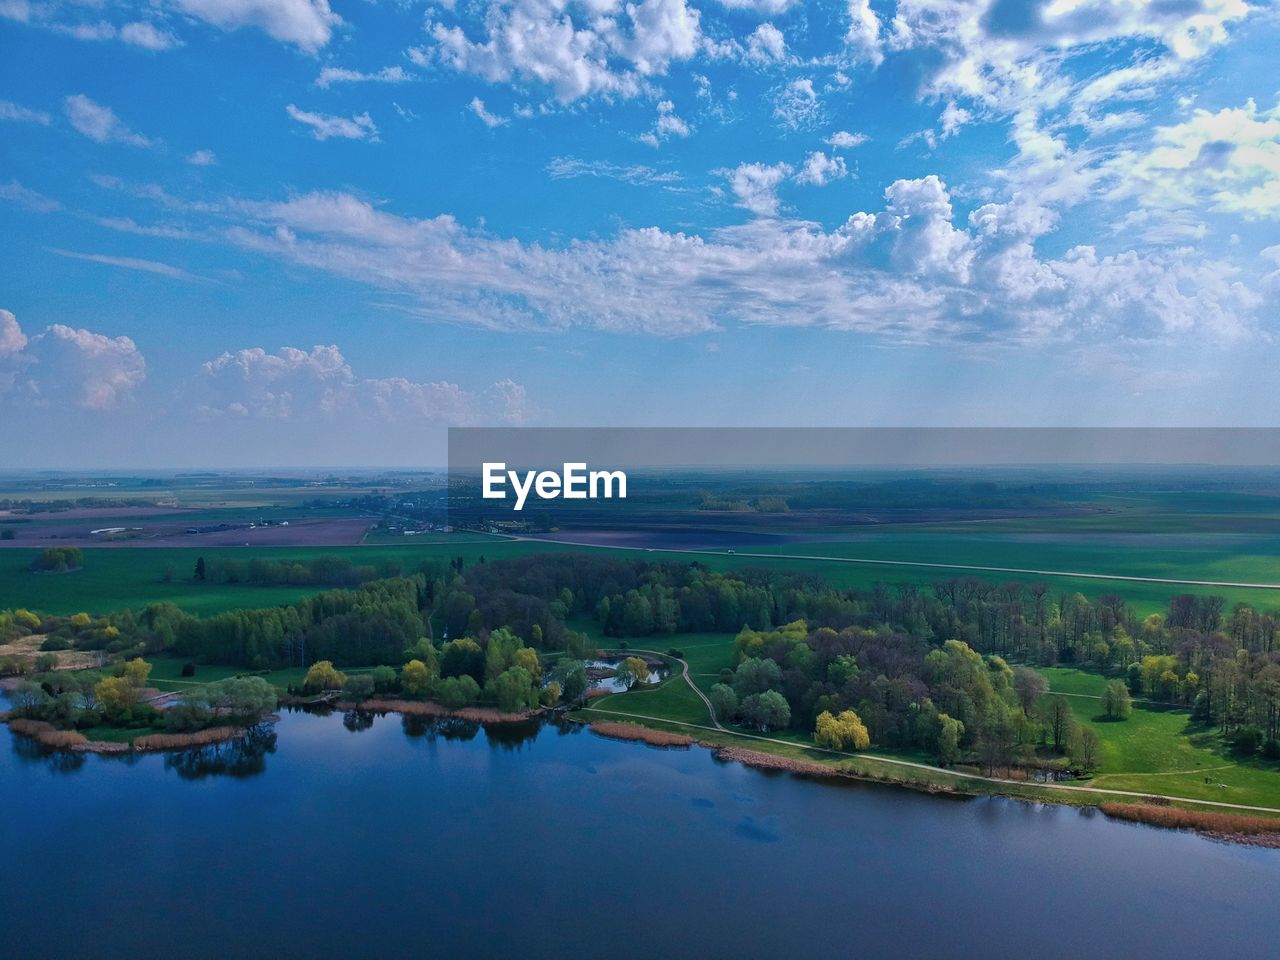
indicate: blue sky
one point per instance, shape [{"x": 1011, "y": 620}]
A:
[{"x": 270, "y": 232}]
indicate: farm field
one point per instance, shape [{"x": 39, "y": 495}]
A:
[
  {"x": 1186, "y": 556},
  {"x": 115, "y": 578},
  {"x": 825, "y": 560},
  {"x": 120, "y": 578}
]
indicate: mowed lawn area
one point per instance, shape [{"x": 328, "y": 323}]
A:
[
  {"x": 1158, "y": 749},
  {"x": 1155, "y": 750},
  {"x": 166, "y": 674}
]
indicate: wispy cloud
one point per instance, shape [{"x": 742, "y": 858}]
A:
[
  {"x": 565, "y": 168},
  {"x": 14, "y": 192},
  {"x": 131, "y": 263},
  {"x": 336, "y": 75},
  {"x": 490, "y": 120},
  {"x": 325, "y": 126},
  {"x": 100, "y": 123},
  {"x": 20, "y": 114}
]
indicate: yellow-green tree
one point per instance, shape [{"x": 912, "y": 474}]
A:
[
  {"x": 323, "y": 675},
  {"x": 118, "y": 698},
  {"x": 631, "y": 671},
  {"x": 843, "y": 732},
  {"x": 136, "y": 672},
  {"x": 1116, "y": 702},
  {"x": 415, "y": 678},
  {"x": 950, "y": 730},
  {"x": 26, "y": 619},
  {"x": 527, "y": 657},
  {"x": 1158, "y": 674}
]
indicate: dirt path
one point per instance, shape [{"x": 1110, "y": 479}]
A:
[
  {"x": 684, "y": 670},
  {"x": 950, "y": 773},
  {"x": 918, "y": 563}
]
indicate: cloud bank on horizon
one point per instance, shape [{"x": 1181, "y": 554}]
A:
[{"x": 512, "y": 211}]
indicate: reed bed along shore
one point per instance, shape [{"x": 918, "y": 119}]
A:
[
  {"x": 1238, "y": 828},
  {"x": 631, "y": 731},
  {"x": 771, "y": 761},
  {"x": 429, "y": 708},
  {"x": 50, "y": 736},
  {"x": 179, "y": 741}
]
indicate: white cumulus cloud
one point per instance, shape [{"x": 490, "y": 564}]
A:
[
  {"x": 65, "y": 366},
  {"x": 307, "y": 24},
  {"x": 819, "y": 169},
  {"x": 297, "y": 383}
]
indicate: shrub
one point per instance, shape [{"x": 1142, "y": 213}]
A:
[
  {"x": 1271, "y": 749},
  {"x": 457, "y": 692},
  {"x": 724, "y": 701},
  {"x": 1245, "y": 740},
  {"x": 57, "y": 559},
  {"x": 192, "y": 713},
  {"x": 359, "y": 686},
  {"x": 55, "y": 643},
  {"x": 188, "y": 669},
  {"x": 323, "y": 676}
]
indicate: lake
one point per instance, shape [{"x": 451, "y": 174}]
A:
[{"x": 337, "y": 837}]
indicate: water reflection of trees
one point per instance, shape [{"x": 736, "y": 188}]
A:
[
  {"x": 512, "y": 736},
  {"x": 58, "y": 761},
  {"x": 439, "y": 728},
  {"x": 506, "y": 736},
  {"x": 243, "y": 757},
  {"x": 358, "y": 720}
]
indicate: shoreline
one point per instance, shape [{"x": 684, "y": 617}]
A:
[
  {"x": 73, "y": 741},
  {"x": 430, "y": 708},
  {"x": 1157, "y": 812},
  {"x": 1150, "y": 810}
]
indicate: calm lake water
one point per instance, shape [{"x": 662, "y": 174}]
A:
[{"x": 338, "y": 838}]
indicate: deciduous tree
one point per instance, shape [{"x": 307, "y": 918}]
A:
[
  {"x": 323, "y": 675},
  {"x": 843, "y": 731}
]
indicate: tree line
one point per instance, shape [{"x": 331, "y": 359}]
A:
[{"x": 912, "y": 673}]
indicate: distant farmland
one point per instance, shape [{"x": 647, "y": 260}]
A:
[{"x": 115, "y": 578}]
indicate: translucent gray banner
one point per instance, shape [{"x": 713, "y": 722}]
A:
[{"x": 650, "y": 448}]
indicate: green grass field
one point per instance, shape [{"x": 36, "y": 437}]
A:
[
  {"x": 670, "y": 700},
  {"x": 120, "y": 577},
  {"x": 117, "y": 578},
  {"x": 132, "y": 577},
  {"x": 166, "y": 674},
  {"x": 1158, "y": 749},
  {"x": 1155, "y": 750}
]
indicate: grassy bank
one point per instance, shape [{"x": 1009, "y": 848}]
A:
[{"x": 1157, "y": 751}]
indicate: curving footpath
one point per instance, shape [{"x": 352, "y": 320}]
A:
[
  {"x": 684, "y": 669},
  {"x": 1141, "y": 794},
  {"x": 720, "y": 728}
]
